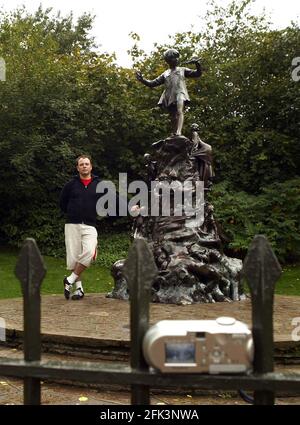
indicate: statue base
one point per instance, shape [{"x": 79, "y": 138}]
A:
[{"x": 188, "y": 253}]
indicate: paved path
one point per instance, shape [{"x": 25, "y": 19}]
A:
[{"x": 99, "y": 318}]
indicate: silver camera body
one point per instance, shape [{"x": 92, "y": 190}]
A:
[{"x": 224, "y": 345}]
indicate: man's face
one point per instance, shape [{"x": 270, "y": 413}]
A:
[{"x": 84, "y": 168}]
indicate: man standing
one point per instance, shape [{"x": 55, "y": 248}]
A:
[{"x": 78, "y": 201}]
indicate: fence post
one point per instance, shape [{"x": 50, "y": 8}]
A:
[
  {"x": 262, "y": 270},
  {"x": 30, "y": 270},
  {"x": 140, "y": 270}
]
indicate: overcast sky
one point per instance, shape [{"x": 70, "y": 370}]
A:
[{"x": 153, "y": 20}]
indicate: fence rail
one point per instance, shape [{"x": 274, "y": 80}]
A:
[
  {"x": 261, "y": 269},
  {"x": 90, "y": 373}
]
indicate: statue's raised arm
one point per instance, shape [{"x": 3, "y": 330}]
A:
[{"x": 193, "y": 73}]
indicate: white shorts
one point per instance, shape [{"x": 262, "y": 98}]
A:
[{"x": 81, "y": 244}]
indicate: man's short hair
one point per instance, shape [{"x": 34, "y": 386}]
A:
[{"x": 83, "y": 156}]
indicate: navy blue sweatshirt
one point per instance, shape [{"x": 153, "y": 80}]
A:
[{"x": 78, "y": 202}]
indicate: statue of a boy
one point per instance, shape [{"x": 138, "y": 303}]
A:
[{"x": 175, "y": 95}]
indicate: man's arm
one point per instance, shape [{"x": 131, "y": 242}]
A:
[
  {"x": 64, "y": 197},
  {"x": 150, "y": 83}
]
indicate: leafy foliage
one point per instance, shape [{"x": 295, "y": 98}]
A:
[
  {"x": 274, "y": 213},
  {"x": 112, "y": 247}
]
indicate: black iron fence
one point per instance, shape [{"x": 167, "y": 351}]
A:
[{"x": 261, "y": 269}]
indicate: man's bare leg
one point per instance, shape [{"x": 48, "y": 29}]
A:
[{"x": 79, "y": 268}]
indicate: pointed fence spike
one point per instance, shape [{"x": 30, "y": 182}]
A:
[
  {"x": 261, "y": 267},
  {"x": 30, "y": 268},
  {"x": 262, "y": 270},
  {"x": 140, "y": 265},
  {"x": 140, "y": 270}
]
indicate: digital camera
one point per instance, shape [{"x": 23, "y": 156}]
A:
[{"x": 224, "y": 345}]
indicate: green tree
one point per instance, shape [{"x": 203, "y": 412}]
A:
[{"x": 45, "y": 117}]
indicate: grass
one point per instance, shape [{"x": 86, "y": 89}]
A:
[
  {"x": 289, "y": 283},
  {"x": 97, "y": 278}
]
